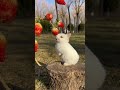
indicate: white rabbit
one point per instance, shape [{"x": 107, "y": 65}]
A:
[
  {"x": 95, "y": 73},
  {"x": 65, "y": 50}
]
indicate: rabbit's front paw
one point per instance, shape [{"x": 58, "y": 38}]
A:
[
  {"x": 66, "y": 64},
  {"x": 59, "y": 54}
]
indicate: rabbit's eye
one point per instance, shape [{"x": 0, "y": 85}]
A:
[{"x": 61, "y": 36}]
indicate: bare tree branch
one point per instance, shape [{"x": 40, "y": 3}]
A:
[{"x": 77, "y": 7}]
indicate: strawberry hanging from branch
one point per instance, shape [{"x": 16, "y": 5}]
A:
[
  {"x": 38, "y": 29},
  {"x": 49, "y": 17},
  {"x": 61, "y": 2},
  {"x": 60, "y": 24},
  {"x": 8, "y": 10},
  {"x": 55, "y": 31}
]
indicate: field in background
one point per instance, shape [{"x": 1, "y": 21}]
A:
[
  {"x": 18, "y": 68},
  {"x": 47, "y": 54},
  {"x": 19, "y": 49},
  {"x": 103, "y": 37}
]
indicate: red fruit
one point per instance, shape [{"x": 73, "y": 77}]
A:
[
  {"x": 36, "y": 46},
  {"x": 8, "y": 10},
  {"x": 49, "y": 17},
  {"x": 60, "y": 24},
  {"x": 2, "y": 47},
  {"x": 38, "y": 29},
  {"x": 55, "y": 31},
  {"x": 62, "y": 2}
]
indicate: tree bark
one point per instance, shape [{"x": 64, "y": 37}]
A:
[
  {"x": 66, "y": 25},
  {"x": 69, "y": 17},
  {"x": 74, "y": 25},
  {"x": 56, "y": 10},
  {"x": 66, "y": 77},
  {"x": 77, "y": 22}
]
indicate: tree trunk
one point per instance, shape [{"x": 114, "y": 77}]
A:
[
  {"x": 69, "y": 18},
  {"x": 77, "y": 22},
  {"x": 66, "y": 25},
  {"x": 66, "y": 77},
  {"x": 56, "y": 10},
  {"x": 74, "y": 25},
  {"x": 101, "y": 7}
]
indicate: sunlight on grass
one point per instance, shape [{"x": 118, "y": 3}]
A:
[{"x": 47, "y": 54}]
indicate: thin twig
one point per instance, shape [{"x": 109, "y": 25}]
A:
[
  {"x": 56, "y": 10},
  {"x": 37, "y": 62}
]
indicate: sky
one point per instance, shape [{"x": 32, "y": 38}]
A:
[
  {"x": 50, "y": 1},
  {"x": 50, "y": 4}
]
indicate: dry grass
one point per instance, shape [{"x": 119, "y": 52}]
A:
[
  {"x": 103, "y": 36},
  {"x": 47, "y": 54},
  {"x": 18, "y": 68}
]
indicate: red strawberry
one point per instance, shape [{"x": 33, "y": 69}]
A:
[
  {"x": 8, "y": 10},
  {"x": 49, "y": 17},
  {"x": 60, "y": 24},
  {"x": 38, "y": 29},
  {"x": 55, "y": 31},
  {"x": 36, "y": 46},
  {"x": 62, "y": 2},
  {"x": 2, "y": 47}
]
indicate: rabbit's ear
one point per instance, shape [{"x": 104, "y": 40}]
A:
[{"x": 69, "y": 35}]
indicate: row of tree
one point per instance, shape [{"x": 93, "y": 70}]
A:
[
  {"x": 26, "y": 8},
  {"x": 102, "y": 7},
  {"x": 73, "y": 13},
  {"x": 47, "y": 26}
]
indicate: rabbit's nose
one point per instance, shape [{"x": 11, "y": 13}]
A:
[{"x": 56, "y": 39}]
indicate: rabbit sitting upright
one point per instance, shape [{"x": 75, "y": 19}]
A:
[{"x": 65, "y": 50}]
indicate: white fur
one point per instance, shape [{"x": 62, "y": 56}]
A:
[
  {"x": 95, "y": 73},
  {"x": 65, "y": 50}
]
